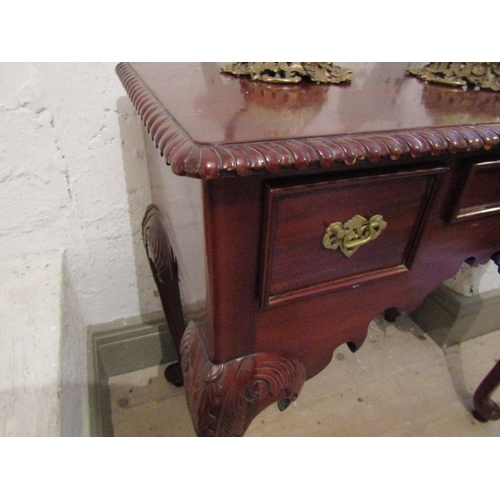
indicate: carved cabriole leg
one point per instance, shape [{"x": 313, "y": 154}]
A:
[
  {"x": 224, "y": 399},
  {"x": 496, "y": 259},
  {"x": 391, "y": 314},
  {"x": 165, "y": 272},
  {"x": 484, "y": 408}
]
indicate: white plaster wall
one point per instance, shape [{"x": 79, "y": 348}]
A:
[
  {"x": 73, "y": 379},
  {"x": 30, "y": 345},
  {"x": 65, "y": 189},
  {"x": 471, "y": 281},
  {"x": 43, "y": 361},
  {"x": 63, "y": 183}
]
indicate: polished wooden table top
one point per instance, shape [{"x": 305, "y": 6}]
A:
[
  {"x": 383, "y": 113},
  {"x": 381, "y": 97}
]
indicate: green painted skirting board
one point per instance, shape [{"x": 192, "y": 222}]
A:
[
  {"x": 450, "y": 318},
  {"x": 121, "y": 347}
]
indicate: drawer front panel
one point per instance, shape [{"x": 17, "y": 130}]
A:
[
  {"x": 481, "y": 193},
  {"x": 297, "y": 263}
]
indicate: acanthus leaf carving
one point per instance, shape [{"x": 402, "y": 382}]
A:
[{"x": 223, "y": 399}]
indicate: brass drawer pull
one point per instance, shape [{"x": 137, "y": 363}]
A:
[{"x": 348, "y": 237}]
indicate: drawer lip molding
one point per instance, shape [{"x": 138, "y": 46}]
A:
[
  {"x": 295, "y": 266},
  {"x": 480, "y": 196},
  {"x": 208, "y": 161}
]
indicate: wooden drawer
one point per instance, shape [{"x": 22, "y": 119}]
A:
[
  {"x": 480, "y": 195},
  {"x": 296, "y": 264}
]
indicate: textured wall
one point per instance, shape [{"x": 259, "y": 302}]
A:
[
  {"x": 471, "y": 281},
  {"x": 64, "y": 183},
  {"x": 30, "y": 345}
]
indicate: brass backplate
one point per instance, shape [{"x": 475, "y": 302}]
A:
[{"x": 350, "y": 235}]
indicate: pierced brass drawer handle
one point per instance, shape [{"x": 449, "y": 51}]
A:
[{"x": 358, "y": 231}]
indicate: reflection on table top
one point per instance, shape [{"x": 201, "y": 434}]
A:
[{"x": 213, "y": 107}]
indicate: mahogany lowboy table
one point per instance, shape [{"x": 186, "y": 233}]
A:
[{"x": 320, "y": 207}]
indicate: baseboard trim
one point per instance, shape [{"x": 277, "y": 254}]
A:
[
  {"x": 450, "y": 318},
  {"x": 120, "y": 347}
]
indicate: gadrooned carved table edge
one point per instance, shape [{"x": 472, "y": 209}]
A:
[{"x": 189, "y": 158}]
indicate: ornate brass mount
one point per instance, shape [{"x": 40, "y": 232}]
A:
[
  {"x": 290, "y": 72},
  {"x": 479, "y": 74},
  {"x": 358, "y": 231}
]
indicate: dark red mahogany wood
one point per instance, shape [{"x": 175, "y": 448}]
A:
[
  {"x": 485, "y": 408},
  {"x": 190, "y": 111},
  {"x": 279, "y": 164},
  {"x": 223, "y": 399},
  {"x": 299, "y": 215},
  {"x": 165, "y": 272}
]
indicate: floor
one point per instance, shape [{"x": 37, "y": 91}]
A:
[{"x": 400, "y": 383}]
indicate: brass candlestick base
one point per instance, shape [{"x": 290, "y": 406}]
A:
[
  {"x": 478, "y": 74},
  {"x": 290, "y": 72}
]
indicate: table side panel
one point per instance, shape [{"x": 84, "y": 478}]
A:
[{"x": 232, "y": 211}]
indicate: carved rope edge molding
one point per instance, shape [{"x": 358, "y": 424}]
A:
[{"x": 208, "y": 161}]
